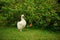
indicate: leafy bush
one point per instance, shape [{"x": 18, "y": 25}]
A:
[{"x": 41, "y": 13}]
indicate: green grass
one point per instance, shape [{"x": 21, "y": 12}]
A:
[{"x": 10, "y": 33}]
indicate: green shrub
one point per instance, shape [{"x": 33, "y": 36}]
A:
[{"x": 41, "y": 13}]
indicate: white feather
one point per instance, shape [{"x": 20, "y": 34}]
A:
[{"x": 21, "y": 24}]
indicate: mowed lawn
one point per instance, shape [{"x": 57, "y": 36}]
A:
[{"x": 11, "y": 33}]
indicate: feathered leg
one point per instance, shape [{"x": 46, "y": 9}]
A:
[{"x": 21, "y": 30}]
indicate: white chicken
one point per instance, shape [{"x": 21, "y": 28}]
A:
[{"x": 21, "y": 24}]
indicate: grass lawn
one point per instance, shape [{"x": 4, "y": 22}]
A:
[{"x": 10, "y": 33}]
